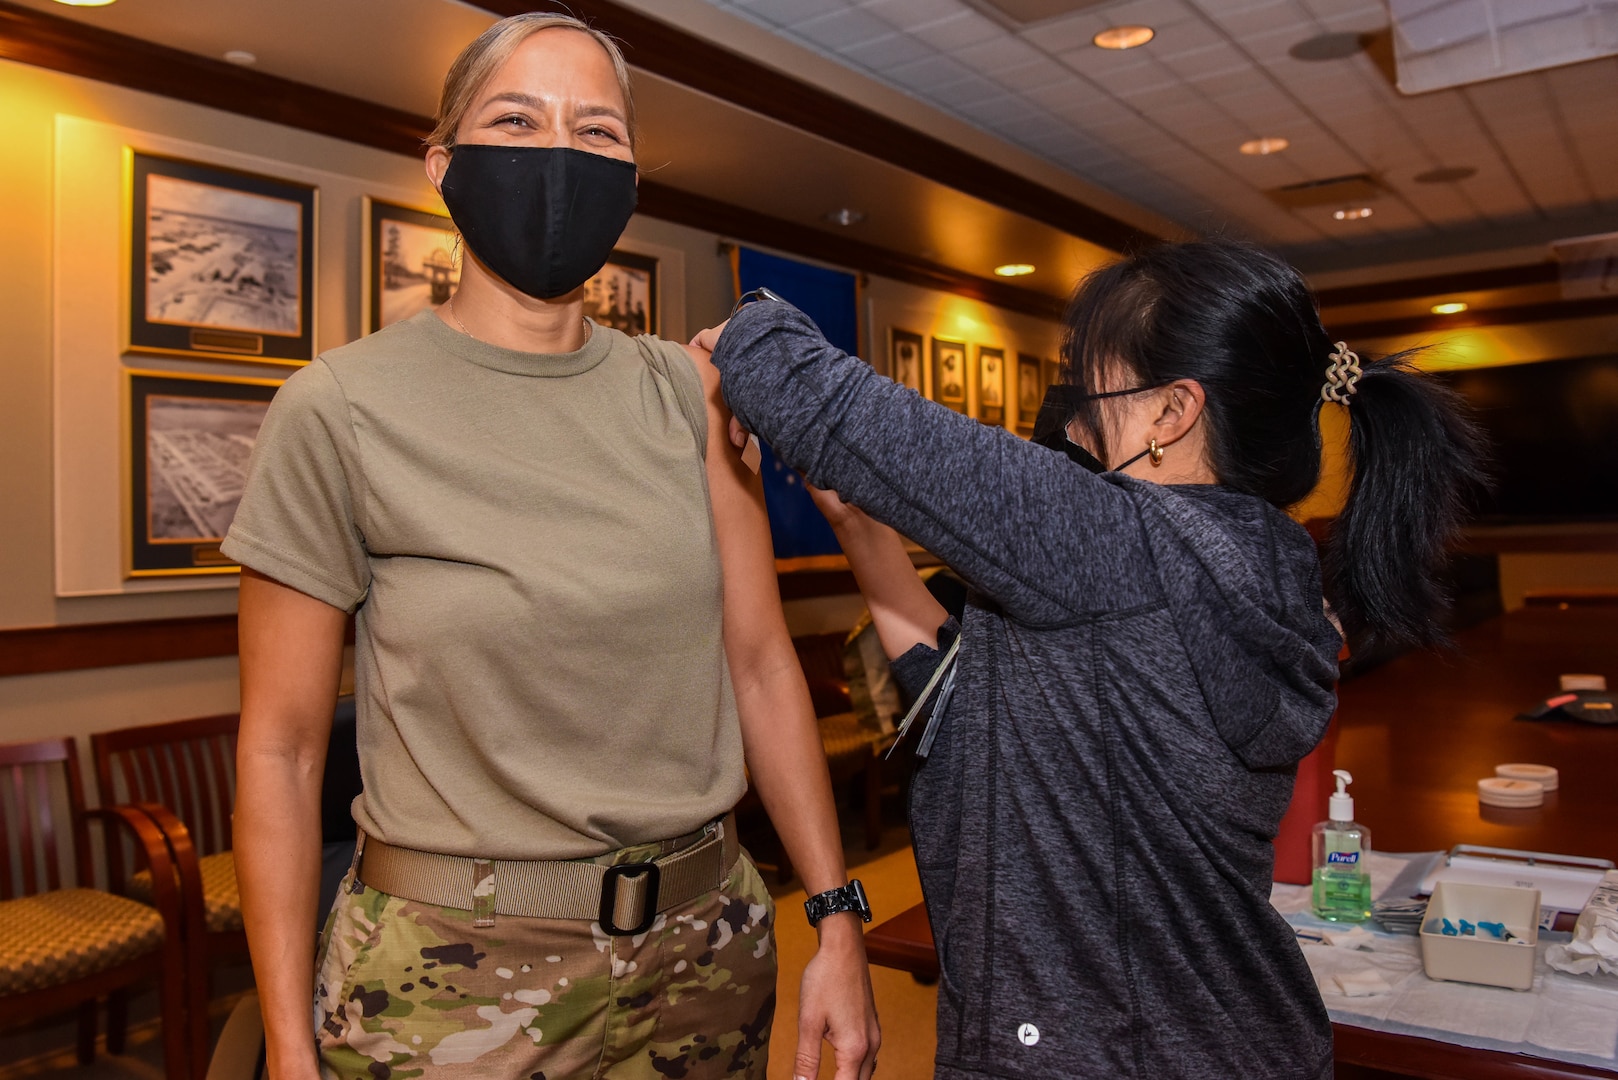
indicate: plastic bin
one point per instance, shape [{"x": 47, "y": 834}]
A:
[{"x": 1481, "y": 958}]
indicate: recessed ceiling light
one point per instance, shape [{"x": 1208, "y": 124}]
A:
[
  {"x": 1124, "y": 37},
  {"x": 1014, "y": 269},
  {"x": 1352, "y": 213},
  {"x": 85, "y": 3},
  {"x": 845, "y": 216},
  {"x": 1447, "y": 174},
  {"x": 241, "y": 56},
  {"x": 1453, "y": 307},
  {"x": 1270, "y": 144}
]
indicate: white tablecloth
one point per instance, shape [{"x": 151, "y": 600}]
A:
[{"x": 1572, "y": 1018}]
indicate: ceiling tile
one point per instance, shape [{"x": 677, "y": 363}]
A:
[
  {"x": 880, "y": 54},
  {"x": 843, "y": 30},
  {"x": 958, "y": 31},
  {"x": 788, "y": 12}
]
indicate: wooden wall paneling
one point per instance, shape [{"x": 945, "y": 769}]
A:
[
  {"x": 1509, "y": 315},
  {"x": 1499, "y": 277}
]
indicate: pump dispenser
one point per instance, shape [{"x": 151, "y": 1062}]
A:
[{"x": 1342, "y": 887}]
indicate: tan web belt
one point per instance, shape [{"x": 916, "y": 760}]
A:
[{"x": 554, "y": 889}]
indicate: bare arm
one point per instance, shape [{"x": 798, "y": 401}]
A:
[
  {"x": 902, "y": 610},
  {"x": 291, "y": 660},
  {"x": 784, "y": 754}
]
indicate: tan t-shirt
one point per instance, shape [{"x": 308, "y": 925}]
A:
[{"x": 529, "y": 542}]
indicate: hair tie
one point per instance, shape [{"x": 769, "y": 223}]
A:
[{"x": 1341, "y": 375}]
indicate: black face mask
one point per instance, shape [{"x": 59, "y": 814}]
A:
[
  {"x": 545, "y": 218},
  {"x": 1050, "y": 426}
]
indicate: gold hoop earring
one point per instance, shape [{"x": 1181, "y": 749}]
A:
[{"x": 1156, "y": 453}]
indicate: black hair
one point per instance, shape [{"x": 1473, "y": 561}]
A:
[{"x": 1244, "y": 325}]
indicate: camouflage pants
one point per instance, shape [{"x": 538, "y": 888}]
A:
[{"x": 406, "y": 989}]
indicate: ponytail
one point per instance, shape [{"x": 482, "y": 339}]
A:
[{"x": 1415, "y": 457}]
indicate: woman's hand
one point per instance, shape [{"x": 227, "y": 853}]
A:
[
  {"x": 840, "y": 514},
  {"x": 708, "y": 340},
  {"x": 835, "y": 1004}
]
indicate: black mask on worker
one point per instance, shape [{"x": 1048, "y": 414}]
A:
[
  {"x": 1050, "y": 426},
  {"x": 545, "y": 218}
]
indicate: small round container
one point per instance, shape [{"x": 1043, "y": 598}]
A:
[
  {"x": 1545, "y": 776},
  {"x": 1511, "y": 794}
]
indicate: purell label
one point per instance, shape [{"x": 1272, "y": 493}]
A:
[{"x": 1341, "y": 857}]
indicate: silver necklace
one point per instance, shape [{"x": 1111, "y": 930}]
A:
[{"x": 450, "y": 307}]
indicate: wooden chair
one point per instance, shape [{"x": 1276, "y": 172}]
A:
[
  {"x": 853, "y": 751},
  {"x": 187, "y": 768},
  {"x": 64, "y": 946}
]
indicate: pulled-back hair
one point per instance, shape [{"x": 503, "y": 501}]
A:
[
  {"x": 482, "y": 58},
  {"x": 1244, "y": 325}
]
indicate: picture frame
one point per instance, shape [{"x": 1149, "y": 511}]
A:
[
  {"x": 221, "y": 262},
  {"x": 949, "y": 373},
  {"x": 989, "y": 381},
  {"x": 623, "y": 294},
  {"x": 188, "y": 441},
  {"x": 1030, "y": 392},
  {"x": 907, "y": 359},
  {"x": 410, "y": 260}
]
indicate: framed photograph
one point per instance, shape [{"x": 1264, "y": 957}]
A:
[
  {"x": 221, "y": 263},
  {"x": 949, "y": 373},
  {"x": 990, "y": 376},
  {"x": 905, "y": 358},
  {"x": 189, "y": 440},
  {"x": 624, "y": 294},
  {"x": 1053, "y": 374},
  {"x": 1030, "y": 392},
  {"x": 410, "y": 261}
]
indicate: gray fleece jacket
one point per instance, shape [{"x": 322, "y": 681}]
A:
[{"x": 1141, "y": 669}]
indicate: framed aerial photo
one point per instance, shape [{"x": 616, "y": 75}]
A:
[
  {"x": 221, "y": 263},
  {"x": 905, "y": 358},
  {"x": 623, "y": 295},
  {"x": 410, "y": 261},
  {"x": 949, "y": 373},
  {"x": 989, "y": 374},
  {"x": 1030, "y": 392},
  {"x": 190, "y": 437}
]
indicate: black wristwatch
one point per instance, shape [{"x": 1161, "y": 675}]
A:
[{"x": 850, "y": 897}]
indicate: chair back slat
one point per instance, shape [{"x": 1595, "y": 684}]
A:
[
  {"x": 187, "y": 765},
  {"x": 224, "y": 765},
  {"x": 30, "y": 846}
]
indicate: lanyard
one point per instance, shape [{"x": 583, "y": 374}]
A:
[{"x": 943, "y": 680}]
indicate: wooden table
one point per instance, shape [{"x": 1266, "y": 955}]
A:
[{"x": 1418, "y": 733}]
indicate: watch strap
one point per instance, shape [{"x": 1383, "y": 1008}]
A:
[{"x": 850, "y": 897}]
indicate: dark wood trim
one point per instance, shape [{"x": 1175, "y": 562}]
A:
[
  {"x": 71, "y": 47},
  {"x": 681, "y": 57},
  {"x": 60, "y": 44},
  {"x": 1540, "y": 539},
  {"x": 1500, "y": 277},
  {"x": 1498, "y": 316},
  {"x": 39, "y": 649}
]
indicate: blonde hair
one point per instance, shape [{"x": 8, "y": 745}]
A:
[{"x": 480, "y": 60}]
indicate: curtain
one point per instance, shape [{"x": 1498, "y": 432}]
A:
[{"x": 831, "y": 299}]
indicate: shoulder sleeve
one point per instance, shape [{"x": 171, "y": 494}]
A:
[
  {"x": 674, "y": 363},
  {"x": 1045, "y": 539},
  {"x": 297, "y": 521}
]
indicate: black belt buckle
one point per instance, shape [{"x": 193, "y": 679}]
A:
[{"x": 609, "y": 897}]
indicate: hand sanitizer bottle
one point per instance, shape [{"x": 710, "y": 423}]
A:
[{"x": 1342, "y": 887}]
